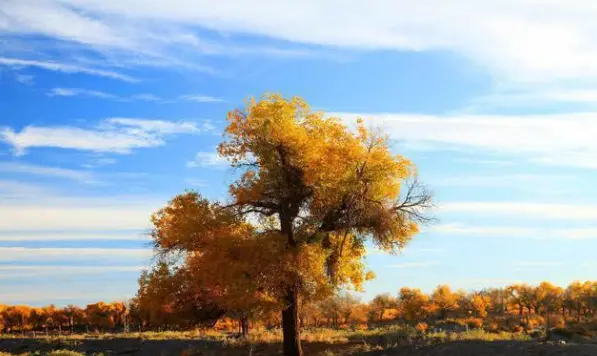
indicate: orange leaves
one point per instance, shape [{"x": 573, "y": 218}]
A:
[
  {"x": 191, "y": 223},
  {"x": 323, "y": 190}
]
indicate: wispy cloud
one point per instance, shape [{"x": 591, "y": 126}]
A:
[
  {"x": 80, "y": 92},
  {"x": 534, "y": 97},
  {"x": 118, "y": 135},
  {"x": 19, "y": 271},
  {"x": 146, "y": 97},
  {"x": 72, "y": 235},
  {"x": 519, "y": 180},
  {"x": 64, "y": 213},
  {"x": 76, "y": 175},
  {"x": 523, "y": 209},
  {"x": 22, "y": 254},
  {"x": 481, "y": 161},
  {"x": 503, "y": 36},
  {"x": 201, "y": 98},
  {"x": 414, "y": 264},
  {"x": 64, "y": 67},
  {"x": 554, "y": 139},
  {"x": 26, "y": 79},
  {"x": 536, "y": 232},
  {"x": 207, "y": 159}
]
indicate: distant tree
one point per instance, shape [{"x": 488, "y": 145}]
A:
[
  {"x": 348, "y": 306},
  {"x": 169, "y": 296},
  {"x": 17, "y": 317},
  {"x": 414, "y": 304},
  {"x": 444, "y": 300},
  {"x": 498, "y": 300},
  {"x": 74, "y": 316},
  {"x": 380, "y": 304}
]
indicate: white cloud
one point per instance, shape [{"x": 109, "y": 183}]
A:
[
  {"x": 21, "y": 254},
  {"x": 80, "y": 176},
  {"x": 19, "y": 271},
  {"x": 201, "y": 98},
  {"x": 118, "y": 135},
  {"x": 159, "y": 127},
  {"x": 207, "y": 159},
  {"x": 80, "y": 92},
  {"x": 72, "y": 236},
  {"x": 461, "y": 229},
  {"x": 480, "y": 161},
  {"x": 26, "y": 79},
  {"x": 146, "y": 97},
  {"x": 523, "y": 209},
  {"x": 64, "y": 67},
  {"x": 47, "y": 213},
  {"x": 537, "y": 232},
  {"x": 522, "y": 181},
  {"x": 505, "y": 36},
  {"x": 547, "y": 139},
  {"x": 532, "y": 96},
  {"x": 17, "y": 189},
  {"x": 414, "y": 264}
]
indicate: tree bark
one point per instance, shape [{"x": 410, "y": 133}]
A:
[
  {"x": 290, "y": 325},
  {"x": 244, "y": 322}
]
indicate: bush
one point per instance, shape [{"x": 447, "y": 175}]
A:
[
  {"x": 65, "y": 353},
  {"x": 475, "y": 323},
  {"x": 422, "y": 327}
]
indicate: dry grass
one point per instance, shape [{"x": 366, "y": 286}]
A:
[{"x": 343, "y": 342}]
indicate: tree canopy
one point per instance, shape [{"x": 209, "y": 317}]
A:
[{"x": 311, "y": 191}]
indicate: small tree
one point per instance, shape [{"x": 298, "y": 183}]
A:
[
  {"x": 444, "y": 300},
  {"x": 380, "y": 304},
  {"x": 414, "y": 304}
]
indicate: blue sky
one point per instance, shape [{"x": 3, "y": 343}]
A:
[{"x": 109, "y": 108}]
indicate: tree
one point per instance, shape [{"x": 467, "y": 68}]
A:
[
  {"x": 380, "y": 304},
  {"x": 479, "y": 305},
  {"x": 74, "y": 316},
  {"x": 320, "y": 191},
  {"x": 444, "y": 300},
  {"x": 414, "y": 304},
  {"x": 549, "y": 300},
  {"x": 497, "y": 300},
  {"x": 168, "y": 296},
  {"x": 17, "y": 317},
  {"x": 348, "y": 306}
]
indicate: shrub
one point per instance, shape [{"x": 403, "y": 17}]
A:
[
  {"x": 475, "y": 323},
  {"x": 422, "y": 327}
]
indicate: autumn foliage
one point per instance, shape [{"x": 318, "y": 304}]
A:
[
  {"x": 310, "y": 193},
  {"x": 515, "y": 308}
]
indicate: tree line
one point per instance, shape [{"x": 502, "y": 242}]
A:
[
  {"x": 516, "y": 308},
  {"x": 97, "y": 316}
]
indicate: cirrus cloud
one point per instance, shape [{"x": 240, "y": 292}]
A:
[{"x": 117, "y": 135}]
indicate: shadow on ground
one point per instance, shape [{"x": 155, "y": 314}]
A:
[
  {"x": 209, "y": 348},
  {"x": 491, "y": 348}
]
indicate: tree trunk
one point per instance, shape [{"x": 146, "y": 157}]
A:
[
  {"x": 244, "y": 324},
  {"x": 290, "y": 325}
]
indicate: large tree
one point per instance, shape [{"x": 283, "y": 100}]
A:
[{"x": 319, "y": 191}]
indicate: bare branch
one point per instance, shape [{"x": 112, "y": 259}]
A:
[{"x": 416, "y": 202}]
